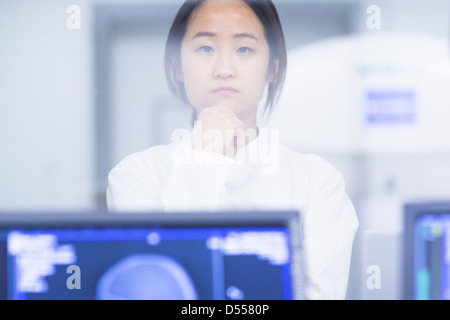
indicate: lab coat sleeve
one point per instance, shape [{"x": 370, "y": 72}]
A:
[
  {"x": 134, "y": 185},
  {"x": 329, "y": 226}
]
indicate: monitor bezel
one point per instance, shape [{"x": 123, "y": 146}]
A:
[{"x": 53, "y": 219}]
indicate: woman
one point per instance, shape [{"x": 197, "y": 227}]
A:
[{"x": 223, "y": 57}]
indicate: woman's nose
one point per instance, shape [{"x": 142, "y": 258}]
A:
[{"x": 224, "y": 66}]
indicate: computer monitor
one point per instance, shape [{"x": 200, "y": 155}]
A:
[
  {"x": 427, "y": 251},
  {"x": 160, "y": 256}
]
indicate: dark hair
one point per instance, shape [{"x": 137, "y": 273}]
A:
[{"x": 266, "y": 12}]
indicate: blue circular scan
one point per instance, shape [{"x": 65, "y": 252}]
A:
[{"x": 146, "y": 277}]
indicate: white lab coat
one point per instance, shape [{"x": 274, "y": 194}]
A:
[{"x": 264, "y": 175}]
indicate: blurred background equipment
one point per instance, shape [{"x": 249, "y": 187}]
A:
[
  {"x": 426, "y": 269},
  {"x": 376, "y": 106}
]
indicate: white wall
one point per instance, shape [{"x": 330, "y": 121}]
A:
[{"x": 45, "y": 107}]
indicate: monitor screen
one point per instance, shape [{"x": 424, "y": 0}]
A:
[
  {"x": 151, "y": 256},
  {"x": 427, "y": 251}
]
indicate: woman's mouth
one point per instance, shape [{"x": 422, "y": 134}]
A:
[{"x": 225, "y": 91}]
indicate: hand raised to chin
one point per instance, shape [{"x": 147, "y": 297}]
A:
[{"x": 219, "y": 130}]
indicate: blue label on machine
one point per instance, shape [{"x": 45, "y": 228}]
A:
[{"x": 390, "y": 107}]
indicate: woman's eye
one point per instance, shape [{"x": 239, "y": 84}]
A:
[
  {"x": 206, "y": 49},
  {"x": 244, "y": 50}
]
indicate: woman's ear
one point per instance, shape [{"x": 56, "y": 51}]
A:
[{"x": 273, "y": 71}]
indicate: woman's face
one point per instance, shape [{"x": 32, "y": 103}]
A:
[{"x": 225, "y": 58}]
